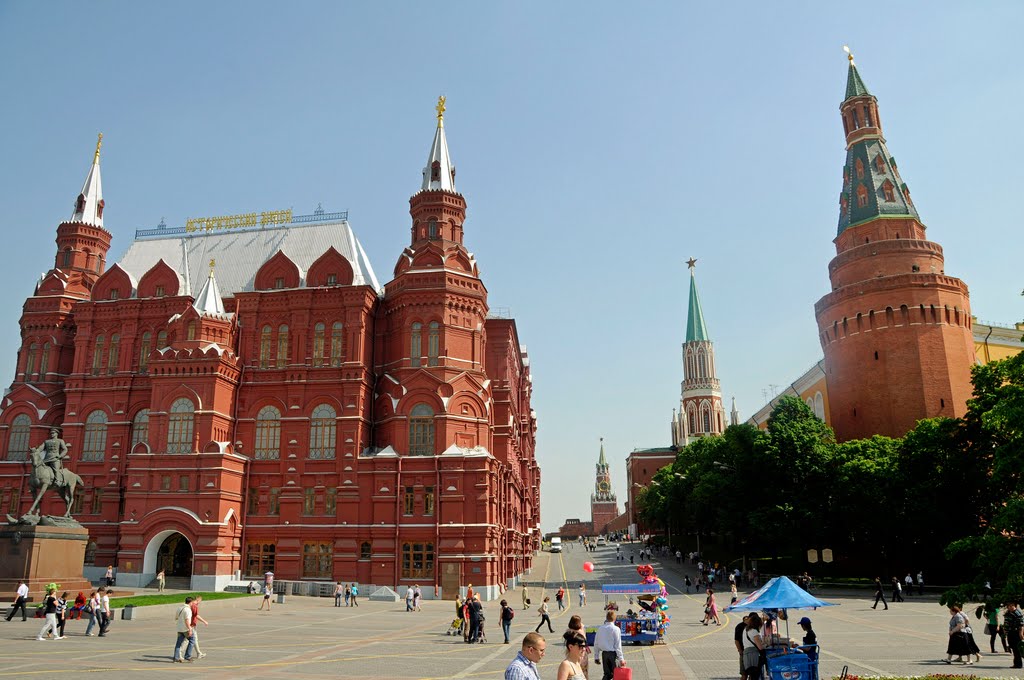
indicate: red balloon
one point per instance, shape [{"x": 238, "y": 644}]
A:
[{"x": 588, "y": 567}]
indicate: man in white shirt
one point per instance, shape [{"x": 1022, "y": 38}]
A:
[
  {"x": 185, "y": 633},
  {"x": 105, "y": 611},
  {"x": 20, "y": 601},
  {"x": 608, "y": 644}
]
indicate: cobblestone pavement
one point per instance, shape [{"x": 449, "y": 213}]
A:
[{"x": 309, "y": 637}]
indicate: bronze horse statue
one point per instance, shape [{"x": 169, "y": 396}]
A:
[{"x": 44, "y": 477}]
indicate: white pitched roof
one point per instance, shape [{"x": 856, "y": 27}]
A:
[
  {"x": 208, "y": 301},
  {"x": 240, "y": 253}
]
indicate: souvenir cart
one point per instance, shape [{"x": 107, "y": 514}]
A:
[{"x": 638, "y": 616}]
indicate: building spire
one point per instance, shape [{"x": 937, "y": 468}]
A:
[
  {"x": 602, "y": 462},
  {"x": 439, "y": 175},
  {"x": 696, "y": 330},
  {"x": 89, "y": 205},
  {"x": 209, "y": 301}
]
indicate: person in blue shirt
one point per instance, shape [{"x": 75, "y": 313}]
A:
[{"x": 524, "y": 666}]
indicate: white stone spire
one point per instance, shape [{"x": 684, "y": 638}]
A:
[
  {"x": 439, "y": 175},
  {"x": 89, "y": 205},
  {"x": 208, "y": 301},
  {"x": 734, "y": 416}
]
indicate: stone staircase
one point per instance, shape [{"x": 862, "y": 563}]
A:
[{"x": 173, "y": 583}]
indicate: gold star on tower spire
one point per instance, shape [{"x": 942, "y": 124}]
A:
[{"x": 440, "y": 111}]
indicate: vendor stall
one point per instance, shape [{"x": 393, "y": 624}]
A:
[
  {"x": 638, "y": 617},
  {"x": 784, "y": 661}
]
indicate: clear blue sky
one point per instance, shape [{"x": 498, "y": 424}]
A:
[{"x": 599, "y": 145}]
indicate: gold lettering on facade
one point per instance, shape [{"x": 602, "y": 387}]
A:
[{"x": 208, "y": 224}]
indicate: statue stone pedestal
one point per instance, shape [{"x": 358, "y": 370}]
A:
[{"x": 40, "y": 555}]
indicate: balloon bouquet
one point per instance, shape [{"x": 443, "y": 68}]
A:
[{"x": 655, "y": 604}]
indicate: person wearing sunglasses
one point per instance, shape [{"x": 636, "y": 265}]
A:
[{"x": 575, "y": 648}]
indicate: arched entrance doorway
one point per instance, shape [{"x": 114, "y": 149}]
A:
[{"x": 174, "y": 556}]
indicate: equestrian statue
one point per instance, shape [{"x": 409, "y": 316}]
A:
[{"x": 48, "y": 472}]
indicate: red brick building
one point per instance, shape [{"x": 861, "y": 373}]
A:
[
  {"x": 304, "y": 421},
  {"x": 895, "y": 329},
  {"x": 604, "y": 507}
]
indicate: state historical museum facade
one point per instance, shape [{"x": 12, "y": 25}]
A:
[{"x": 307, "y": 421}]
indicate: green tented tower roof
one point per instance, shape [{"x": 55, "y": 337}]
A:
[
  {"x": 696, "y": 330},
  {"x": 855, "y": 87}
]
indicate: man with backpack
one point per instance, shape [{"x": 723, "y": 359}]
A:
[{"x": 507, "y": 614}]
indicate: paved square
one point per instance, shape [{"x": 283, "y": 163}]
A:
[{"x": 309, "y": 637}]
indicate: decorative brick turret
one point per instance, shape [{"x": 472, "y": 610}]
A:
[{"x": 896, "y": 331}]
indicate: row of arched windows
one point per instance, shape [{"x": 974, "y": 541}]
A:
[
  {"x": 43, "y": 359},
  {"x": 699, "y": 363},
  {"x": 322, "y": 433},
  {"x": 703, "y": 419},
  {"x": 817, "y": 405},
  {"x": 105, "y": 359},
  {"x": 328, "y": 349},
  {"x": 416, "y": 344}
]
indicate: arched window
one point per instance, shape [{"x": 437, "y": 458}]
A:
[
  {"x": 265, "y": 347},
  {"x": 180, "y": 425},
  {"x": 30, "y": 362},
  {"x": 67, "y": 258},
  {"x": 318, "y": 344},
  {"x": 145, "y": 347},
  {"x": 161, "y": 340},
  {"x": 705, "y": 416},
  {"x": 140, "y": 428},
  {"x": 691, "y": 417},
  {"x": 282, "y": 346},
  {"x": 17, "y": 444},
  {"x": 415, "y": 345},
  {"x": 97, "y": 355},
  {"x": 95, "y": 444},
  {"x": 365, "y": 550},
  {"x": 433, "y": 343},
  {"x": 337, "y": 343},
  {"x": 421, "y": 431},
  {"x": 322, "y": 432},
  {"x": 44, "y": 361},
  {"x": 819, "y": 405},
  {"x": 268, "y": 434},
  {"x": 191, "y": 332},
  {"x": 115, "y": 349}
]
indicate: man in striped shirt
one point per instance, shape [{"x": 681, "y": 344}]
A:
[{"x": 524, "y": 666}]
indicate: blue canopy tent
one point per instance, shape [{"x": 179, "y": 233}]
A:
[{"x": 779, "y": 593}]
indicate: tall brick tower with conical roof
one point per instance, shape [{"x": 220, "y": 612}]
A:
[{"x": 896, "y": 330}]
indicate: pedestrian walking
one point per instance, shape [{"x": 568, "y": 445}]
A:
[
  {"x": 879, "y": 594},
  {"x": 524, "y": 666},
  {"x": 1013, "y": 623},
  {"x": 583, "y": 595},
  {"x": 92, "y": 608},
  {"x": 268, "y": 590},
  {"x": 348, "y": 595},
  {"x": 526, "y": 597},
  {"x": 417, "y": 595},
  {"x": 542, "y": 611},
  {"x": 50, "y": 611},
  {"x": 161, "y": 581},
  {"x": 897, "y": 590},
  {"x": 105, "y": 618},
  {"x": 196, "y": 620},
  {"x": 737, "y": 636},
  {"x": 993, "y": 629},
  {"x": 506, "y": 616},
  {"x": 109, "y": 576},
  {"x": 753, "y": 648},
  {"x": 339, "y": 592},
  {"x": 183, "y": 621},
  {"x": 20, "y": 598},
  {"x": 733, "y": 593},
  {"x": 958, "y": 642},
  {"x": 560, "y": 598},
  {"x": 608, "y": 646},
  {"x": 408, "y": 598},
  {"x": 711, "y": 609},
  {"x": 908, "y": 584},
  {"x": 688, "y": 582},
  {"x": 355, "y": 594},
  {"x": 62, "y": 612},
  {"x": 920, "y": 583}
]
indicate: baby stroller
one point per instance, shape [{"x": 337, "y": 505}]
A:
[{"x": 455, "y": 628}]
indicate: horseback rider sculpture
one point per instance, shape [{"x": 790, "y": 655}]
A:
[{"x": 55, "y": 451}]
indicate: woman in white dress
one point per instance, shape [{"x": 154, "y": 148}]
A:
[{"x": 575, "y": 647}]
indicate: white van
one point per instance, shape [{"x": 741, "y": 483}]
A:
[{"x": 556, "y": 544}]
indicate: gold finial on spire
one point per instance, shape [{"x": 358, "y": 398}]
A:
[
  {"x": 213, "y": 263},
  {"x": 99, "y": 143},
  {"x": 440, "y": 111},
  {"x": 849, "y": 54}
]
